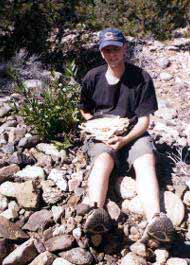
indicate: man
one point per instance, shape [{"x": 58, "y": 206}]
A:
[{"x": 120, "y": 88}]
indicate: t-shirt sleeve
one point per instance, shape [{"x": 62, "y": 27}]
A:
[
  {"x": 146, "y": 101},
  {"x": 85, "y": 101}
]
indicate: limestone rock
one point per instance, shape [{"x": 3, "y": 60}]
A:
[
  {"x": 16, "y": 134},
  {"x": 12, "y": 212},
  {"x": 126, "y": 187},
  {"x": 166, "y": 76},
  {"x": 174, "y": 207},
  {"x": 30, "y": 173},
  {"x": 50, "y": 149},
  {"x": 22, "y": 254},
  {"x": 61, "y": 242},
  {"x": 61, "y": 261},
  {"x": 74, "y": 184},
  {"x": 8, "y": 171},
  {"x": 45, "y": 258},
  {"x": 24, "y": 192},
  {"x": 5, "y": 110},
  {"x": 113, "y": 210},
  {"x": 186, "y": 198},
  {"x": 78, "y": 256},
  {"x": 51, "y": 194},
  {"x": 133, "y": 259},
  {"x": 161, "y": 255},
  {"x": 135, "y": 206},
  {"x": 176, "y": 261},
  {"x": 164, "y": 63},
  {"x": 3, "y": 203},
  {"x": 58, "y": 176},
  {"x": 10, "y": 230},
  {"x": 57, "y": 212},
  {"x": 39, "y": 220},
  {"x": 28, "y": 142},
  {"x": 139, "y": 249}
]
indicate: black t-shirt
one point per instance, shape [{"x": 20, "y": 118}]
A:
[{"x": 133, "y": 96}]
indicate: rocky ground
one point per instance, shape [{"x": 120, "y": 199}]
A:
[{"x": 41, "y": 187}]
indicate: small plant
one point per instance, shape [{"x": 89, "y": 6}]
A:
[
  {"x": 53, "y": 111},
  {"x": 181, "y": 160}
]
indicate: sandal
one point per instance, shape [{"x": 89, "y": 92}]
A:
[
  {"x": 160, "y": 228},
  {"x": 97, "y": 222}
]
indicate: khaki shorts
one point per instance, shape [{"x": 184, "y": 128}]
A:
[{"x": 125, "y": 157}]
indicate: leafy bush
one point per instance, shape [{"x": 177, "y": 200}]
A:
[
  {"x": 143, "y": 17},
  {"x": 32, "y": 24},
  {"x": 54, "y": 111}
]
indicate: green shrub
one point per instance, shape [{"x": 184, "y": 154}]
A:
[
  {"x": 143, "y": 17},
  {"x": 54, "y": 111}
]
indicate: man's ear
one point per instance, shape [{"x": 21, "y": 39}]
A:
[{"x": 102, "y": 54}]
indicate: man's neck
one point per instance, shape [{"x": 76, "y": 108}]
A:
[{"x": 116, "y": 72}]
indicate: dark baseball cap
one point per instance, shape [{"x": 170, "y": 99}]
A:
[{"x": 111, "y": 36}]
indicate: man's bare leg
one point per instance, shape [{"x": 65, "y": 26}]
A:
[
  {"x": 147, "y": 184},
  {"x": 99, "y": 179}
]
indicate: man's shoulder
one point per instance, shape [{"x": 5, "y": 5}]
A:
[
  {"x": 95, "y": 72},
  {"x": 137, "y": 72}
]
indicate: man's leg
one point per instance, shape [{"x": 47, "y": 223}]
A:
[
  {"x": 98, "y": 220},
  {"x": 147, "y": 184},
  {"x": 99, "y": 179},
  {"x": 159, "y": 226}
]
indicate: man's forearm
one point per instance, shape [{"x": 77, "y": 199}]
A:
[
  {"x": 86, "y": 115},
  {"x": 141, "y": 127}
]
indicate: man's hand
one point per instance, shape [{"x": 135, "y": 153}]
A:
[{"x": 116, "y": 142}]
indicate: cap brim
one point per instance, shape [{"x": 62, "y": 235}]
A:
[{"x": 112, "y": 43}]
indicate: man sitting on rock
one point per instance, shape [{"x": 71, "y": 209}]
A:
[{"x": 120, "y": 88}]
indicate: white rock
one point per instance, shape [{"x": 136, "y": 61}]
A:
[
  {"x": 23, "y": 192},
  {"x": 9, "y": 214},
  {"x": 186, "y": 198},
  {"x": 174, "y": 207},
  {"x": 19, "y": 256},
  {"x": 77, "y": 233},
  {"x": 51, "y": 149},
  {"x": 133, "y": 259},
  {"x": 139, "y": 249},
  {"x": 125, "y": 206},
  {"x": 45, "y": 258},
  {"x": 113, "y": 210},
  {"x": 31, "y": 173},
  {"x": 135, "y": 206},
  {"x": 33, "y": 83},
  {"x": 161, "y": 255},
  {"x": 164, "y": 63},
  {"x": 176, "y": 261},
  {"x": 3, "y": 203},
  {"x": 187, "y": 130},
  {"x": 126, "y": 187},
  {"x": 60, "y": 230},
  {"x": 78, "y": 175},
  {"x": 166, "y": 113},
  {"x": 12, "y": 212},
  {"x": 165, "y": 76},
  {"x": 57, "y": 212},
  {"x": 61, "y": 261},
  {"x": 58, "y": 176}
]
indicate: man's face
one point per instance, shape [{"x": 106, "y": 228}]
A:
[{"x": 113, "y": 55}]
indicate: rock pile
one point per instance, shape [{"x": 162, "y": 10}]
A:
[{"x": 41, "y": 187}]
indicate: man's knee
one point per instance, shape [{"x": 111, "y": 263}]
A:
[
  {"x": 144, "y": 161},
  {"x": 104, "y": 157}
]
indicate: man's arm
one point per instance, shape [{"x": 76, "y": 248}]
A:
[
  {"x": 86, "y": 115},
  {"x": 117, "y": 142}
]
